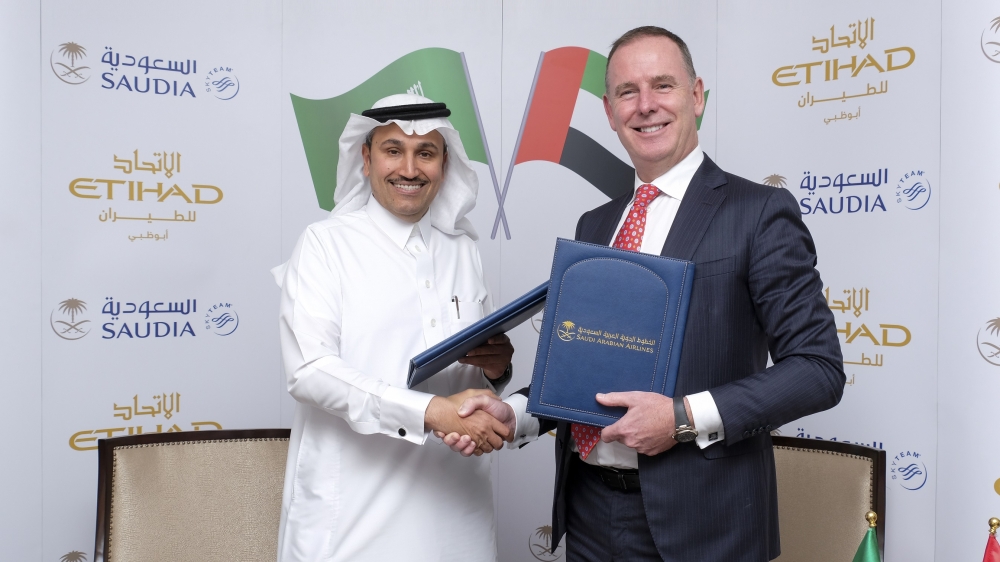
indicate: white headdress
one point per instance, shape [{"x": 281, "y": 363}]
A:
[{"x": 457, "y": 195}]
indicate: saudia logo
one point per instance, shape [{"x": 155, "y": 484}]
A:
[
  {"x": 141, "y": 73},
  {"x": 63, "y": 61},
  {"x": 988, "y": 342},
  {"x": 539, "y": 544},
  {"x": 990, "y": 41},
  {"x": 66, "y": 325},
  {"x": 843, "y": 192},
  {"x": 565, "y": 331}
]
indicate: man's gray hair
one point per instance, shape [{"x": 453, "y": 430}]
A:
[{"x": 651, "y": 31}]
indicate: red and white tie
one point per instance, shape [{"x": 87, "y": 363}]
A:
[{"x": 629, "y": 238}]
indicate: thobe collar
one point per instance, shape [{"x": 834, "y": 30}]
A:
[
  {"x": 675, "y": 182},
  {"x": 398, "y": 230}
]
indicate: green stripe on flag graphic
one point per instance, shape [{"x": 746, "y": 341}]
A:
[
  {"x": 593, "y": 74},
  {"x": 438, "y": 74}
]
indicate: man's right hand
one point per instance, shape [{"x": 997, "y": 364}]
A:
[
  {"x": 476, "y": 405},
  {"x": 482, "y": 431}
]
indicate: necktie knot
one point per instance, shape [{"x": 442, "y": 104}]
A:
[{"x": 646, "y": 193}]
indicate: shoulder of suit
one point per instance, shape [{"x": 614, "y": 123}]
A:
[
  {"x": 735, "y": 182},
  {"x": 611, "y": 206}
]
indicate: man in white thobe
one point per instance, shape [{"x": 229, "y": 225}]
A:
[{"x": 393, "y": 271}]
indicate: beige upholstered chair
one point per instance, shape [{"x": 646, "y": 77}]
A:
[
  {"x": 195, "y": 496},
  {"x": 824, "y": 490}
]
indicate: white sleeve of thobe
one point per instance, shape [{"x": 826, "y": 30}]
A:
[
  {"x": 309, "y": 325},
  {"x": 526, "y": 428},
  {"x": 707, "y": 419}
]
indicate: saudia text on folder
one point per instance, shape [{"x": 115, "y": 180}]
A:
[{"x": 614, "y": 322}]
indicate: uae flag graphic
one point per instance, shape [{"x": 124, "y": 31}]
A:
[
  {"x": 546, "y": 133},
  {"x": 439, "y": 74}
]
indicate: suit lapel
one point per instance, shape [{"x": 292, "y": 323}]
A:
[
  {"x": 697, "y": 208},
  {"x": 608, "y": 224}
]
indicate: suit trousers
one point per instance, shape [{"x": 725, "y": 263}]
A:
[{"x": 604, "y": 524}]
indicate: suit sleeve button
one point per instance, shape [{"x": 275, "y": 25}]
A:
[
  {"x": 746, "y": 434},
  {"x": 402, "y": 432}
]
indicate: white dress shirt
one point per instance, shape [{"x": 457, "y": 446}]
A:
[
  {"x": 363, "y": 293},
  {"x": 660, "y": 215}
]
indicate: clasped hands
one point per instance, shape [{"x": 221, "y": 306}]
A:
[{"x": 647, "y": 427}]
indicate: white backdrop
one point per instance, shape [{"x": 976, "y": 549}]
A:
[{"x": 888, "y": 107}]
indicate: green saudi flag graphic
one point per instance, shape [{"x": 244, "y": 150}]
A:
[{"x": 438, "y": 74}]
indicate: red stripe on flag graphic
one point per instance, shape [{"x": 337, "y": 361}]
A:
[{"x": 552, "y": 105}]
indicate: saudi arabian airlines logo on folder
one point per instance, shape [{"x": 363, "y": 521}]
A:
[{"x": 565, "y": 331}]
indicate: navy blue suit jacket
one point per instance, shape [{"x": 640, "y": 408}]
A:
[{"x": 756, "y": 290}]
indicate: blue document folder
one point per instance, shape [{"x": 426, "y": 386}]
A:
[
  {"x": 449, "y": 350},
  {"x": 614, "y": 322}
]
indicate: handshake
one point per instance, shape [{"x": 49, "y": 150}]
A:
[{"x": 474, "y": 421}]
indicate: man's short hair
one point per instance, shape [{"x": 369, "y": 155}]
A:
[
  {"x": 651, "y": 31},
  {"x": 371, "y": 135}
]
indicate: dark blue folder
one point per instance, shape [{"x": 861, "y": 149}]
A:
[
  {"x": 449, "y": 350},
  {"x": 614, "y": 322}
]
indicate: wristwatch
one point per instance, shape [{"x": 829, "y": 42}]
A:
[
  {"x": 684, "y": 433},
  {"x": 508, "y": 373}
]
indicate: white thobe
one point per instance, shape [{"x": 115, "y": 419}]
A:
[{"x": 363, "y": 293}]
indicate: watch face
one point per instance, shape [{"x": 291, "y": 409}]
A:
[{"x": 685, "y": 435}]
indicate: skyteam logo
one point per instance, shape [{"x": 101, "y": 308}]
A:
[
  {"x": 222, "y": 83},
  {"x": 913, "y": 190},
  {"x": 222, "y": 319},
  {"x": 908, "y": 470}
]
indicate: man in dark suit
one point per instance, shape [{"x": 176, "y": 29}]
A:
[{"x": 692, "y": 478}]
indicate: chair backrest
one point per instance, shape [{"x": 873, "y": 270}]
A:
[
  {"x": 195, "y": 496},
  {"x": 824, "y": 490}
]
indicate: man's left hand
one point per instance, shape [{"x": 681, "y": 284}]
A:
[
  {"x": 492, "y": 357},
  {"x": 648, "y": 425}
]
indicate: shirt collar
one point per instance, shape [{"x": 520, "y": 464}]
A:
[
  {"x": 398, "y": 230},
  {"x": 675, "y": 182}
]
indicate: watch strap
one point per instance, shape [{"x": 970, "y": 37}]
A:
[{"x": 680, "y": 413}]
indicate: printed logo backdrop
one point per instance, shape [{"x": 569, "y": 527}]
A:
[{"x": 164, "y": 161}]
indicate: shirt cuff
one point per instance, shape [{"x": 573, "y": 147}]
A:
[
  {"x": 707, "y": 419},
  {"x": 526, "y": 428},
  {"x": 402, "y": 414}
]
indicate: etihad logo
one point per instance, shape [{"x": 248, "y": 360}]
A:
[
  {"x": 565, "y": 331},
  {"x": 837, "y": 58},
  {"x": 131, "y": 185},
  {"x": 66, "y": 325},
  {"x": 989, "y": 41},
  {"x": 73, "y": 556},
  {"x": 539, "y": 543},
  {"x": 163, "y": 405},
  {"x": 63, "y": 61}
]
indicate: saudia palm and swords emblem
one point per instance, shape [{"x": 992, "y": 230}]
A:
[{"x": 565, "y": 331}]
